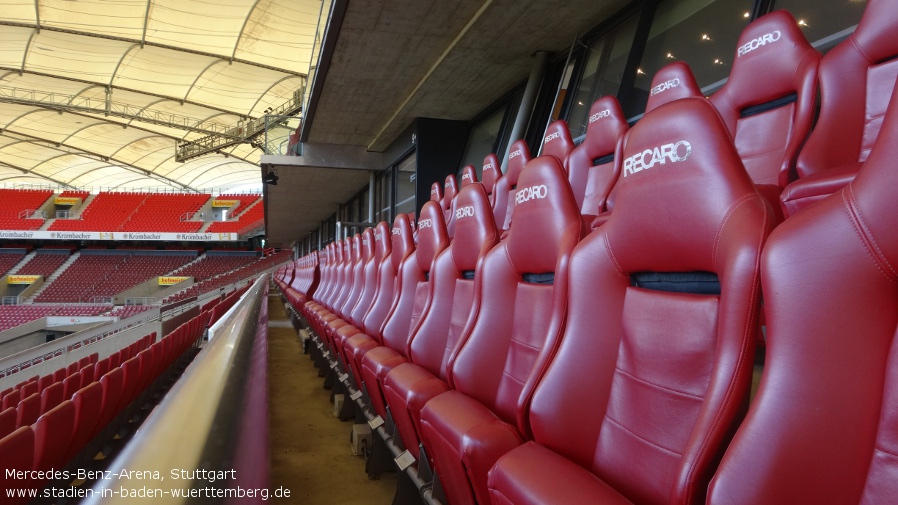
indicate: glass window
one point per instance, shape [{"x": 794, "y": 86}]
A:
[
  {"x": 384, "y": 205},
  {"x": 405, "y": 184},
  {"x": 602, "y": 72},
  {"x": 483, "y": 139},
  {"x": 825, "y": 22},
  {"x": 703, "y": 33}
]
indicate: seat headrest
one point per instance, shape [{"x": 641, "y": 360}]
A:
[
  {"x": 383, "y": 244},
  {"x": 557, "y": 141},
  {"x": 873, "y": 192},
  {"x": 518, "y": 156},
  {"x": 771, "y": 61},
  {"x": 436, "y": 192},
  {"x": 340, "y": 250},
  {"x": 450, "y": 189},
  {"x": 605, "y": 125},
  {"x": 672, "y": 82},
  {"x": 402, "y": 241},
  {"x": 680, "y": 180},
  {"x": 468, "y": 175},
  {"x": 475, "y": 228},
  {"x": 367, "y": 248},
  {"x": 491, "y": 172},
  {"x": 544, "y": 213},
  {"x": 876, "y": 35},
  {"x": 432, "y": 235}
]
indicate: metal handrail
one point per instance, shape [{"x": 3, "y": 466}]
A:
[{"x": 200, "y": 424}]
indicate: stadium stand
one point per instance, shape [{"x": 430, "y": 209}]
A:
[{"x": 16, "y": 202}]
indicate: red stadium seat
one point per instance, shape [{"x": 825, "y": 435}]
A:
[
  {"x": 822, "y": 428},
  {"x": 856, "y": 82},
  {"x": 16, "y": 453},
  {"x": 654, "y": 368},
  {"x": 517, "y": 319},
  {"x": 53, "y": 435},
  {"x": 768, "y": 101},
  {"x": 518, "y": 156}
]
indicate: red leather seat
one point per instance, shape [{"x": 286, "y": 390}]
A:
[
  {"x": 655, "y": 364},
  {"x": 821, "y": 429},
  {"x": 768, "y": 101},
  {"x": 492, "y": 172},
  {"x": 516, "y": 321},
  {"x": 364, "y": 280},
  {"x": 503, "y": 201},
  {"x": 594, "y": 165},
  {"x": 412, "y": 286},
  {"x": 398, "y": 246},
  {"x": 436, "y": 192},
  {"x": 468, "y": 176},
  {"x": 856, "y": 80},
  {"x": 447, "y": 308},
  {"x": 450, "y": 189}
]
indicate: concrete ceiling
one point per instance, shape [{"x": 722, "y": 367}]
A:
[{"x": 396, "y": 60}]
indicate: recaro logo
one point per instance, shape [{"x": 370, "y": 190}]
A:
[
  {"x": 514, "y": 154},
  {"x": 464, "y": 212},
  {"x": 447, "y": 185},
  {"x": 488, "y": 166},
  {"x": 552, "y": 136},
  {"x": 763, "y": 40},
  {"x": 395, "y": 231},
  {"x": 673, "y": 153},
  {"x": 378, "y": 237},
  {"x": 599, "y": 115},
  {"x": 531, "y": 193},
  {"x": 666, "y": 85},
  {"x": 425, "y": 223},
  {"x": 433, "y": 191},
  {"x": 466, "y": 177}
]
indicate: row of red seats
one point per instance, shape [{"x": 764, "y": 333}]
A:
[
  {"x": 16, "y": 201},
  {"x": 111, "y": 390},
  {"x": 44, "y": 263},
  {"x": 252, "y": 218},
  {"x": 8, "y": 259},
  {"x": 556, "y": 366}
]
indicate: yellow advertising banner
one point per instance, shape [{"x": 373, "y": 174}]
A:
[
  {"x": 224, "y": 203},
  {"x": 171, "y": 280},
  {"x": 22, "y": 279},
  {"x": 67, "y": 200}
]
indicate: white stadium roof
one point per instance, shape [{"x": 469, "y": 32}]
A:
[{"x": 99, "y": 93}]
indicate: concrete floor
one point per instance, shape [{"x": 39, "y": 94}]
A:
[{"x": 310, "y": 452}]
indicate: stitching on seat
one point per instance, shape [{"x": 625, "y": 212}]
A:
[
  {"x": 863, "y": 232},
  {"x": 641, "y": 438},
  {"x": 658, "y": 386}
]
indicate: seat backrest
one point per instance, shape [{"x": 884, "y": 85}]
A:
[
  {"x": 379, "y": 236},
  {"x": 53, "y": 435},
  {"x": 491, "y": 174},
  {"x": 365, "y": 273},
  {"x": 520, "y": 293},
  {"x": 88, "y": 402},
  {"x": 503, "y": 201},
  {"x": 768, "y": 101},
  {"x": 7, "y": 421},
  {"x": 53, "y": 395},
  {"x": 856, "y": 81},
  {"x": 328, "y": 273},
  {"x": 16, "y": 453},
  {"x": 412, "y": 279},
  {"x": 468, "y": 176},
  {"x": 594, "y": 165},
  {"x": 448, "y": 302},
  {"x": 350, "y": 262},
  {"x": 557, "y": 141},
  {"x": 827, "y": 405},
  {"x": 672, "y": 82},
  {"x": 666, "y": 357},
  {"x": 113, "y": 383},
  {"x": 401, "y": 246},
  {"x": 28, "y": 410}
]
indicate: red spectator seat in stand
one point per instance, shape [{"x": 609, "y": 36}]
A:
[
  {"x": 450, "y": 189},
  {"x": 412, "y": 285},
  {"x": 594, "y": 165},
  {"x": 516, "y": 320},
  {"x": 649, "y": 383},
  {"x": 436, "y": 192},
  {"x": 856, "y": 81},
  {"x": 7, "y": 421},
  {"x": 53, "y": 435},
  {"x": 447, "y": 308},
  {"x": 28, "y": 410},
  {"x": 16, "y": 453},
  {"x": 768, "y": 101},
  {"x": 53, "y": 396},
  {"x": 88, "y": 402},
  {"x": 503, "y": 202},
  {"x": 365, "y": 276},
  {"x": 468, "y": 177},
  {"x": 822, "y": 428},
  {"x": 492, "y": 172}
]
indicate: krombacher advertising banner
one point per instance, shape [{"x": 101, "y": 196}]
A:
[{"x": 117, "y": 236}]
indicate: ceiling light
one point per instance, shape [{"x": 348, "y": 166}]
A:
[
  {"x": 705, "y": 36},
  {"x": 802, "y": 22},
  {"x": 639, "y": 71},
  {"x": 671, "y": 56},
  {"x": 746, "y": 15}
]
